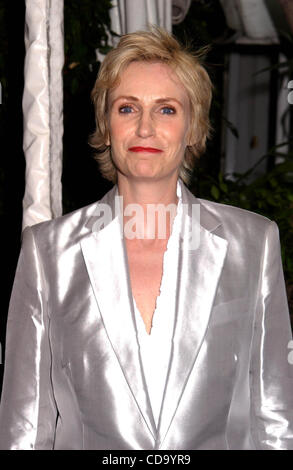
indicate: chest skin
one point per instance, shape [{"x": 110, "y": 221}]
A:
[{"x": 145, "y": 262}]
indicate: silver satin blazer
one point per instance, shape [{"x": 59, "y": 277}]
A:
[{"x": 73, "y": 374}]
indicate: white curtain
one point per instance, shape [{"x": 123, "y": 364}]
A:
[
  {"x": 128, "y": 16},
  {"x": 251, "y": 19},
  {"x": 43, "y": 110}
]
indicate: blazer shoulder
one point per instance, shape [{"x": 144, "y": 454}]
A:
[
  {"x": 241, "y": 223},
  {"x": 62, "y": 232},
  {"x": 229, "y": 214},
  {"x": 213, "y": 214},
  {"x": 75, "y": 220},
  {"x": 76, "y": 217}
]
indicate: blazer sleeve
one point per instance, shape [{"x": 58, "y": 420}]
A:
[
  {"x": 271, "y": 374},
  {"x": 28, "y": 412}
]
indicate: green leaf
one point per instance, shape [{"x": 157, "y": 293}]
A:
[
  {"x": 215, "y": 192},
  {"x": 224, "y": 187}
]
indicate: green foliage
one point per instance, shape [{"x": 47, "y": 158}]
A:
[{"x": 86, "y": 25}]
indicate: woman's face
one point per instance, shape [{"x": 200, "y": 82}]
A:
[{"x": 148, "y": 121}]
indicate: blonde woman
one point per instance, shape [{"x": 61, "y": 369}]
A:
[{"x": 150, "y": 319}]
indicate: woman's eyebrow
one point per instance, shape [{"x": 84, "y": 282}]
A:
[
  {"x": 123, "y": 97},
  {"x": 168, "y": 98},
  {"x": 134, "y": 98}
]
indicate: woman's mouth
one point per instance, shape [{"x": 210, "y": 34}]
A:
[{"x": 144, "y": 149}]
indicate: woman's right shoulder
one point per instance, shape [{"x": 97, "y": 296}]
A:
[{"x": 64, "y": 230}]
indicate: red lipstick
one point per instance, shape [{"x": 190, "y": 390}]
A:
[{"x": 144, "y": 149}]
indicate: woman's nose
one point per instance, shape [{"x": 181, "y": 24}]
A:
[{"x": 145, "y": 125}]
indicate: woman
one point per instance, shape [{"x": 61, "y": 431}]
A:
[{"x": 151, "y": 319}]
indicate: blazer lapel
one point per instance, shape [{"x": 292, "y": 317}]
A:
[
  {"x": 106, "y": 261},
  {"x": 200, "y": 271}
]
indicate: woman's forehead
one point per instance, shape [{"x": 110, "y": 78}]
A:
[{"x": 150, "y": 78}]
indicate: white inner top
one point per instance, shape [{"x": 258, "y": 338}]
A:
[{"x": 155, "y": 348}]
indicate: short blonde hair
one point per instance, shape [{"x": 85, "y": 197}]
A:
[{"x": 156, "y": 45}]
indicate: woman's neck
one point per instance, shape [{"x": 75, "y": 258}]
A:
[{"x": 149, "y": 208}]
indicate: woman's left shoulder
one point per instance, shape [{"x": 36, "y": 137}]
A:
[
  {"x": 241, "y": 225},
  {"x": 231, "y": 214},
  {"x": 213, "y": 214}
]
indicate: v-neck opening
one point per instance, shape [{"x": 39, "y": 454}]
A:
[{"x": 171, "y": 247}]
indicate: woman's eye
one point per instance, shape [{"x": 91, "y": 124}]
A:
[
  {"x": 125, "y": 109},
  {"x": 168, "y": 110}
]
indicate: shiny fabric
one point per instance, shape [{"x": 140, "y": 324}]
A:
[{"x": 73, "y": 374}]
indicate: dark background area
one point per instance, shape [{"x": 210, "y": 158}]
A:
[
  {"x": 12, "y": 164},
  {"x": 82, "y": 184}
]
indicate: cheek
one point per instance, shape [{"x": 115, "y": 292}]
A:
[
  {"x": 176, "y": 135},
  {"x": 119, "y": 131}
]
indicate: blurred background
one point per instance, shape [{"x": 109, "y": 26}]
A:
[{"x": 249, "y": 159}]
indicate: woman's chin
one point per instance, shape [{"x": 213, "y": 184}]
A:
[{"x": 145, "y": 171}]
